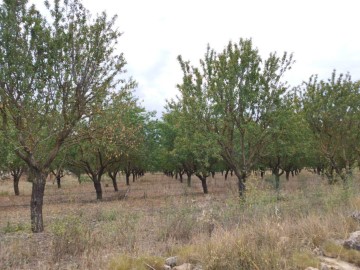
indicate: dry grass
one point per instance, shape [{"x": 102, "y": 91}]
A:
[{"x": 162, "y": 217}]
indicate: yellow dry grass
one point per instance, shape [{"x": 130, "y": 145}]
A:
[{"x": 162, "y": 217}]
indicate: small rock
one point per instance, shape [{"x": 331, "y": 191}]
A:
[
  {"x": 317, "y": 251},
  {"x": 356, "y": 215},
  {"x": 184, "y": 266},
  {"x": 324, "y": 266},
  {"x": 166, "y": 267},
  {"x": 311, "y": 268},
  {"x": 353, "y": 242},
  {"x": 171, "y": 261}
]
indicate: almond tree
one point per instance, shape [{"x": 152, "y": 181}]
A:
[
  {"x": 195, "y": 151},
  {"x": 290, "y": 139},
  {"x": 54, "y": 74},
  {"x": 233, "y": 95},
  {"x": 332, "y": 109},
  {"x": 116, "y": 133}
]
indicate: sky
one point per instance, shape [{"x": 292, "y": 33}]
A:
[{"x": 323, "y": 35}]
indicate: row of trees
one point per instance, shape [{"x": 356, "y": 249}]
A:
[
  {"x": 65, "y": 103},
  {"x": 236, "y": 112}
]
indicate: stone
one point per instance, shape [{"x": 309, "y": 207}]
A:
[
  {"x": 353, "y": 242},
  {"x": 171, "y": 261},
  {"x": 167, "y": 267},
  {"x": 317, "y": 251},
  {"x": 356, "y": 215},
  {"x": 184, "y": 266},
  {"x": 311, "y": 268},
  {"x": 324, "y": 266}
]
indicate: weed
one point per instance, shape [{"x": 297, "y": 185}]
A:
[
  {"x": 4, "y": 193},
  {"x": 19, "y": 227},
  {"x": 70, "y": 238},
  {"x": 139, "y": 263},
  {"x": 334, "y": 250},
  {"x": 178, "y": 223}
]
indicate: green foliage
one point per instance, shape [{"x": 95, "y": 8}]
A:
[
  {"x": 233, "y": 96},
  {"x": 332, "y": 110}
]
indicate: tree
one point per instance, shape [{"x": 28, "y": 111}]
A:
[
  {"x": 332, "y": 109},
  {"x": 196, "y": 152},
  {"x": 289, "y": 141},
  {"x": 53, "y": 75},
  {"x": 233, "y": 96},
  {"x": 108, "y": 137},
  {"x": 10, "y": 162}
]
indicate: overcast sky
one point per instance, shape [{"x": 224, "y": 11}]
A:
[{"x": 322, "y": 34}]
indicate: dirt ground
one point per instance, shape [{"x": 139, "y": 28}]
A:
[{"x": 160, "y": 216}]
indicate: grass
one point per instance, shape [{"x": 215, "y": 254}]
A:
[{"x": 267, "y": 230}]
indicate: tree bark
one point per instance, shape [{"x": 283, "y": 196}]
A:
[
  {"x": 16, "y": 174},
  {"x": 36, "y": 204},
  {"x": 127, "y": 177},
  {"x": 58, "y": 180},
  {"x": 113, "y": 178},
  {"x": 115, "y": 184},
  {"x": 16, "y": 186},
  {"x": 241, "y": 182},
  {"x": 226, "y": 174},
  {"x": 188, "y": 179},
  {"x": 181, "y": 176},
  {"x": 203, "y": 183},
  {"x": 98, "y": 189}
]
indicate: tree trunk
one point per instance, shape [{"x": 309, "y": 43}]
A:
[
  {"x": 36, "y": 204},
  {"x": 134, "y": 176},
  {"x": 16, "y": 174},
  {"x": 127, "y": 177},
  {"x": 203, "y": 183},
  {"x": 113, "y": 175},
  {"x": 16, "y": 185},
  {"x": 241, "y": 182},
  {"x": 213, "y": 174},
  {"x": 181, "y": 176},
  {"x": 226, "y": 174},
  {"x": 188, "y": 179},
  {"x": 98, "y": 189},
  {"x": 115, "y": 184},
  {"x": 58, "y": 180}
]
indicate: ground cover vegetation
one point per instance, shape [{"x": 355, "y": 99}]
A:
[{"x": 69, "y": 116}]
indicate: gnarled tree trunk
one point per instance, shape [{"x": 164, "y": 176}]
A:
[{"x": 37, "y": 196}]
